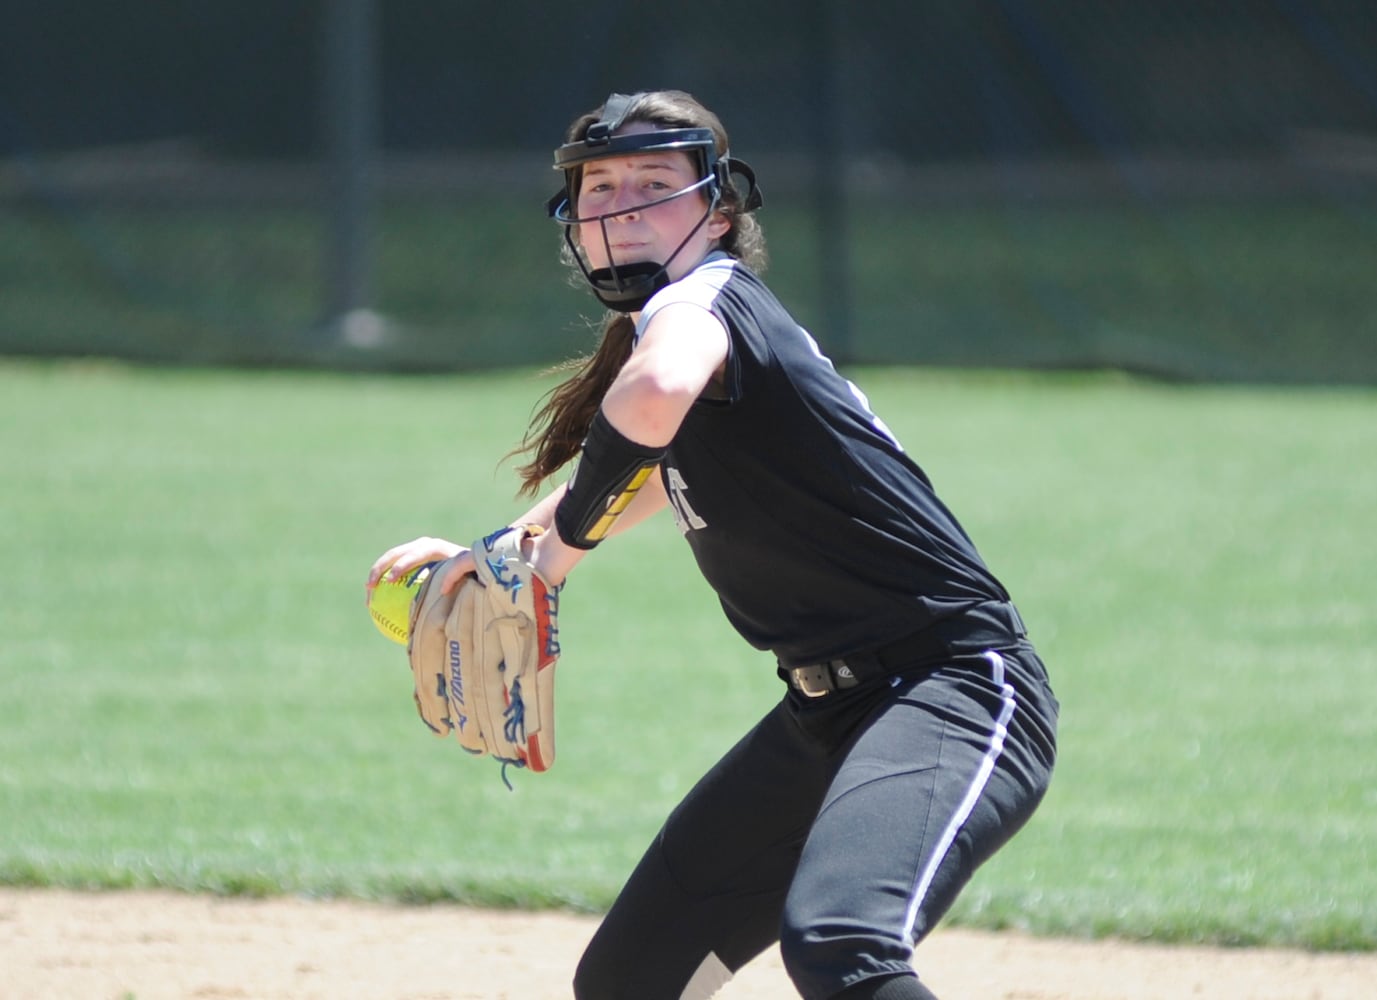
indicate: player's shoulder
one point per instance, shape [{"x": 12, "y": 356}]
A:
[{"x": 701, "y": 287}]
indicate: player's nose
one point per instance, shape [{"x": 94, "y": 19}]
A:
[{"x": 626, "y": 202}]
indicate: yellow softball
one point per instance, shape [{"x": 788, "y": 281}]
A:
[{"x": 390, "y": 604}]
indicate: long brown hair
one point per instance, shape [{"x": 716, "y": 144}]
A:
[{"x": 560, "y": 424}]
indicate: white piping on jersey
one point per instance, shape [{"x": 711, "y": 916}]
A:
[
  {"x": 700, "y": 287},
  {"x": 977, "y": 787},
  {"x": 712, "y": 974}
]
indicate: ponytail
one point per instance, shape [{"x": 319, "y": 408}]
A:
[{"x": 557, "y": 429}]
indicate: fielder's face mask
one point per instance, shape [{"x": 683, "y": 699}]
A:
[{"x": 628, "y": 287}]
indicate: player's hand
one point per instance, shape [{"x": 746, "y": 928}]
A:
[
  {"x": 399, "y": 560},
  {"x": 551, "y": 558}
]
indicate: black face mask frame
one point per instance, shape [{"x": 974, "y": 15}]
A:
[{"x": 628, "y": 287}]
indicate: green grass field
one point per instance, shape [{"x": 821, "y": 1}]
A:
[{"x": 192, "y": 695}]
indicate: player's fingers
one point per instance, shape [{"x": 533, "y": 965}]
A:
[
  {"x": 375, "y": 573},
  {"x": 385, "y": 562},
  {"x": 460, "y": 568},
  {"x": 417, "y": 553},
  {"x": 399, "y": 560}
]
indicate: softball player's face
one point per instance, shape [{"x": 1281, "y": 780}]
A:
[{"x": 622, "y": 191}]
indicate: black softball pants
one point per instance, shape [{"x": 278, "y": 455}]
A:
[{"x": 842, "y": 827}]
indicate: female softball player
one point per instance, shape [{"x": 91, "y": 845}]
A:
[{"x": 916, "y": 731}]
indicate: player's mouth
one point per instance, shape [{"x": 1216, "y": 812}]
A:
[{"x": 630, "y": 253}]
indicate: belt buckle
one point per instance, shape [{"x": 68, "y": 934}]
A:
[{"x": 814, "y": 681}]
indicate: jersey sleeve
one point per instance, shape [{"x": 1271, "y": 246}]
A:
[{"x": 703, "y": 287}]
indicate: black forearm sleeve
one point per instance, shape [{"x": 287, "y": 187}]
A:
[{"x": 611, "y": 470}]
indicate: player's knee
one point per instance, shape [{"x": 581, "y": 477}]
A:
[
  {"x": 793, "y": 949},
  {"x": 809, "y": 959},
  {"x": 822, "y": 962}
]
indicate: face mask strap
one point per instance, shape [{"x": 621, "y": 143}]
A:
[{"x": 614, "y": 112}]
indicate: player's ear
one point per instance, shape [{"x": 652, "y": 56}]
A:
[{"x": 719, "y": 224}]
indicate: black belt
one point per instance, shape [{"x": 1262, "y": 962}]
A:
[{"x": 974, "y": 630}]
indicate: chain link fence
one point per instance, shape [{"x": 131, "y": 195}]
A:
[{"x": 1187, "y": 189}]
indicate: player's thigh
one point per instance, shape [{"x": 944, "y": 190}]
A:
[
  {"x": 711, "y": 887},
  {"x": 921, "y": 799},
  {"x": 745, "y": 821}
]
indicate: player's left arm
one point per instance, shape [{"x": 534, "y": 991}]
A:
[
  {"x": 681, "y": 349},
  {"x": 553, "y": 558}
]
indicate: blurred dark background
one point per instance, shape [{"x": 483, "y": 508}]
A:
[{"x": 1184, "y": 188}]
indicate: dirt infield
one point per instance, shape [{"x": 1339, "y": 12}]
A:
[{"x": 163, "y": 946}]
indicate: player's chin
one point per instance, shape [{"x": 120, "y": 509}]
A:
[{"x": 624, "y": 255}]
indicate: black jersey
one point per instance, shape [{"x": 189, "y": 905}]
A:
[{"x": 820, "y": 536}]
